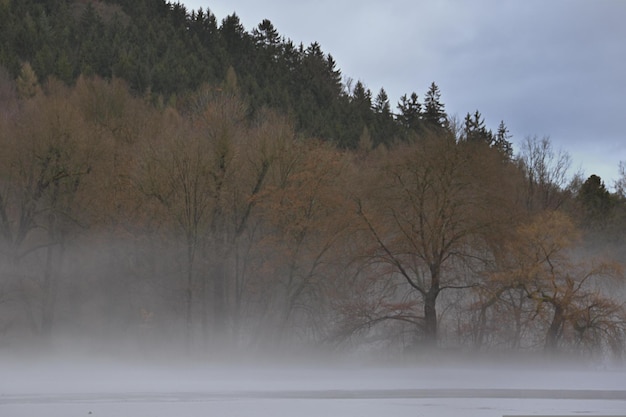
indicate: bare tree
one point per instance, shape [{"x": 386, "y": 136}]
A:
[
  {"x": 306, "y": 214},
  {"x": 49, "y": 155},
  {"x": 178, "y": 173},
  {"x": 425, "y": 210},
  {"x": 546, "y": 172}
]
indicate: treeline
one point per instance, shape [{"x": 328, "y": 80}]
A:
[
  {"x": 166, "y": 52},
  {"x": 200, "y": 227}
]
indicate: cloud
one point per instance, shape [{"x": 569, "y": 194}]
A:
[{"x": 552, "y": 68}]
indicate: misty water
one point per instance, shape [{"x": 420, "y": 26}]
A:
[{"x": 67, "y": 387}]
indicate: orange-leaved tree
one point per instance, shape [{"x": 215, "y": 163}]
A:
[{"x": 568, "y": 291}]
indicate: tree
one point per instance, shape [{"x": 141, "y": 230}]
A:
[
  {"x": 359, "y": 114},
  {"x": 362, "y": 100},
  {"x": 620, "y": 183},
  {"x": 49, "y": 155},
  {"x": 305, "y": 211},
  {"x": 381, "y": 104},
  {"x": 235, "y": 35},
  {"x": 266, "y": 35},
  {"x": 208, "y": 176},
  {"x": 596, "y": 202},
  {"x": 569, "y": 295},
  {"x": 502, "y": 142},
  {"x": 27, "y": 83},
  {"x": 176, "y": 174},
  {"x": 426, "y": 217},
  {"x": 383, "y": 128},
  {"x": 546, "y": 174},
  {"x": 475, "y": 131},
  {"x": 435, "y": 116},
  {"x": 187, "y": 169},
  {"x": 410, "y": 112}
]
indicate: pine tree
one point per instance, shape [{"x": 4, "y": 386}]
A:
[
  {"x": 410, "y": 112},
  {"x": 334, "y": 75},
  {"x": 381, "y": 104},
  {"x": 235, "y": 36},
  {"x": 474, "y": 129},
  {"x": 384, "y": 126},
  {"x": 596, "y": 202},
  {"x": 265, "y": 35},
  {"x": 501, "y": 141},
  {"x": 361, "y": 100},
  {"x": 435, "y": 115}
]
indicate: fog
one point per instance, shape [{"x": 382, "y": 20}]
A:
[
  {"x": 72, "y": 384},
  {"x": 125, "y": 294}
]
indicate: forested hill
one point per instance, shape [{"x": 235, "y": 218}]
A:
[{"x": 164, "y": 50}]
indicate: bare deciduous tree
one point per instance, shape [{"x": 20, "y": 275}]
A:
[
  {"x": 546, "y": 172},
  {"x": 425, "y": 211}
]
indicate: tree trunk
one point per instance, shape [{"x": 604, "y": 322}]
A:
[
  {"x": 49, "y": 295},
  {"x": 430, "y": 307},
  {"x": 517, "y": 316},
  {"x": 50, "y": 279},
  {"x": 189, "y": 293},
  {"x": 204, "y": 308},
  {"x": 482, "y": 327},
  {"x": 555, "y": 329},
  {"x": 219, "y": 298},
  {"x": 430, "y": 317}
]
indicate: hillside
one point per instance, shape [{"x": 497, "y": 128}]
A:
[{"x": 165, "y": 51}]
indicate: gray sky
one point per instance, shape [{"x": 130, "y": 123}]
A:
[{"x": 548, "y": 68}]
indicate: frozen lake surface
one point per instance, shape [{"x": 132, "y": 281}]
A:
[{"x": 71, "y": 389}]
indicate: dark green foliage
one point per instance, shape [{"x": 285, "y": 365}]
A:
[
  {"x": 381, "y": 104},
  {"x": 410, "y": 116},
  {"x": 154, "y": 45},
  {"x": 501, "y": 141},
  {"x": 384, "y": 126},
  {"x": 358, "y": 114},
  {"x": 596, "y": 202},
  {"x": 474, "y": 129},
  {"x": 166, "y": 52},
  {"x": 435, "y": 116}
]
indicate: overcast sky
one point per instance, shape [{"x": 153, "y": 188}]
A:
[{"x": 547, "y": 68}]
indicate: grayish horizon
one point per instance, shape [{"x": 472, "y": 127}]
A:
[{"x": 554, "y": 69}]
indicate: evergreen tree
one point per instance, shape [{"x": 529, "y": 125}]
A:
[
  {"x": 361, "y": 103},
  {"x": 235, "y": 37},
  {"x": 381, "y": 104},
  {"x": 435, "y": 116},
  {"x": 596, "y": 202},
  {"x": 474, "y": 129},
  {"x": 361, "y": 96},
  {"x": 334, "y": 76},
  {"x": 384, "y": 124},
  {"x": 265, "y": 35},
  {"x": 410, "y": 112},
  {"x": 501, "y": 141},
  {"x": 362, "y": 100}
]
